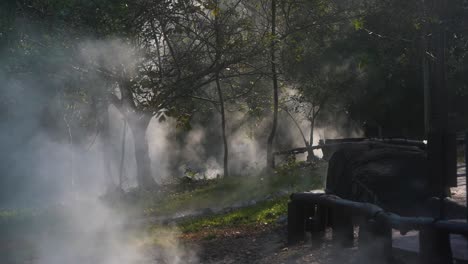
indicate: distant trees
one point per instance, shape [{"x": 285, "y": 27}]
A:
[
  {"x": 180, "y": 57},
  {"x": 187, "y": 46}
]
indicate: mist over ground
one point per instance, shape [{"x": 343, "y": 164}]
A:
[{"x": 54, "y": 159}]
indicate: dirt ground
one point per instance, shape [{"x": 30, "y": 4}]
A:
[{"x": 268, "y": 246}]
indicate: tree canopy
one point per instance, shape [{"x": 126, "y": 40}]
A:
[{"x": 193, "y": 61}]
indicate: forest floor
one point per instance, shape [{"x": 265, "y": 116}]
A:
[
  {"x": 255, "y": 232},
  {"x": 266, "y": 245},
  {"x": 265, "y": 242},
  {"x": 221, "y": 221},
  {"x": 249, "y": 229},
  {"x": 234, "y": 220}
]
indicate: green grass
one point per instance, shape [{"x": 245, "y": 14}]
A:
[
  {"x": 13, "y": 222},
  {"x": 264, "y": 213},
  {"x": 25, "y": 225},
  {"x": 18, "y": 230},
  {"x": 226, "y": 192}
]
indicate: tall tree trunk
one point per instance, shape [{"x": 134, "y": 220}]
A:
[
  {"x": 220, "y": 92},
  {"x": 104, "y": 131},
  {"x": 271, "y": 137},
  {"x": 138, "y": 123},
  {"x": 223, "y": 127},
  {"x": 139, "y": 126},
  {"x": 122, "y": 154},
  {"x": 310, "y": 152}
]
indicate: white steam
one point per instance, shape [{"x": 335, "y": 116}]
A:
[{"x": 88, "y": 232}]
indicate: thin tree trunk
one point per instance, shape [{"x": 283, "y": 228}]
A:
[
  {"x": 144, "y": 176},
  {"x": 138, "y": 123},
  {"x": 223, "y": 127},
  {"x": 271, "y": 137},
  {"x": 122, "y": 155},
  {"x": 72, "y": 157},
  {"x": 220, "y": 93},
  {"x": 106, "y": 152},
  {"x": 306, "y": 144},
  {"x": 310, "y": 152}
]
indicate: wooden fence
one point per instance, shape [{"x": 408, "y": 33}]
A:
[{"x": 315, "y": 211}]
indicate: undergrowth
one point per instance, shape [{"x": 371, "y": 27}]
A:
[
  {"x": 264, "y": 213},
  {"x": 220, "y": 193},
  {"x": 291, "y": 177},
  {"x": 270, "y": 194}
]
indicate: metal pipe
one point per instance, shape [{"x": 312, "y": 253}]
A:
[
  {"x": 372, "y": 211},
  {"x": 396, "y": 143}
]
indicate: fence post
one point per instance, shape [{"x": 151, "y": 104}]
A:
[
  {"x": 296, "y": 222},
  {"x": 434, "y": 247},
  {"x": 310, "y": 217},
  {"x": 375, "y": 241},
  {"x": 343, "y": 230},
  {"x": 466, "y": 171},
  {"x": 321, "y": 218}
]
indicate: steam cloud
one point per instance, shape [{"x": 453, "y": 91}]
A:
[{"x": 68, "y": 173}]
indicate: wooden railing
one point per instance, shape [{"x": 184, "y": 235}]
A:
[
  {"x": 315, "y": 211},
  {"x": 336, "y": 143}
]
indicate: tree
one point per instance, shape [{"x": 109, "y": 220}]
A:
[
  {"x": 229, "y": 46},
  {"x": 218, "y": 54},
  {"x": 310, "y": 66},
  {"x": 271, "y": 137},
  {"x": 170, "y": 62},
  {"x": 315, "y": 94}
]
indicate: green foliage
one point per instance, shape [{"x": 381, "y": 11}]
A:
[
  {"x": 264, "y": 213},
  {"x": 358, "y": 23},
  {"x": 301, "y": 175},
  {"x": 228, "y": 191}
]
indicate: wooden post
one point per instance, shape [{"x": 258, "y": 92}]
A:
[
  {"x": 441, "y": 150},
  {"x": 466, "y": 171},
  {"x": 296, "y": 222},
  {"x": 375, "y": 241},
  {"x": 434, "y": 247},
  {"x": 310, "y": 217},
  {"x": 321, "y": 218},
  {"x": 343, "y": 230},
  {"x": 425, "y": 80},
  {"x": 383, "y": 234}
]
